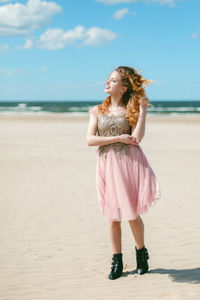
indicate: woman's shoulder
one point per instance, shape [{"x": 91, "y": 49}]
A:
[{"x": 94, "y": 110}]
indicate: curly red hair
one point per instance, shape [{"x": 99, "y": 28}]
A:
[{"x": 134, "y": 95}]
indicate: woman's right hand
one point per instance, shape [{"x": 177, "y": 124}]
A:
[{"x": 127, "y": 139}]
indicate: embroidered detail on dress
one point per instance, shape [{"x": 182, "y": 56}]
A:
[
  {"x": 113, "y": 125},
  {"x": 117, "y": 147}
]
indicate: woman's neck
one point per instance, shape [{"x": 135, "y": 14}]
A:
[{"x": 116, "y": 101}]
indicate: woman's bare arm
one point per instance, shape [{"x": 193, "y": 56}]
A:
[{"x": 139, "y": 130}]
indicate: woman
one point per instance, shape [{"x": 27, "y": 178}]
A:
[{"x": 126, "y": 184}]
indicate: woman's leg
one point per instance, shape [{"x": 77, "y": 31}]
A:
[
  {"x": 115, "y": 236},
  {"x": 137, "y": 227},
  {"x": 142, "y": 255},
  {"x": 117, "y": 262}
]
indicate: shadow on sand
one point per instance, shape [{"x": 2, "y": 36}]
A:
[{"x": 185, "y": 275}]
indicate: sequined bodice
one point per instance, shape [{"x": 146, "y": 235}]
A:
[{"x": 113, "y": 125}]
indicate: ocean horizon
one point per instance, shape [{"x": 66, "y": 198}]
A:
[{"x": 161, "y": 107}]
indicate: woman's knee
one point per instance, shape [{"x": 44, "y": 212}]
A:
[
  {"x": 135, "y": 221},
  {"x": 115, "y": 224}
]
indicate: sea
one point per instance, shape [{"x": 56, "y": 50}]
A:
[{"x": 159, "y": 107}]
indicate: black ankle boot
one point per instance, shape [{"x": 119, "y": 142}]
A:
[
  {"x": 141, "y": 257},
  {"x": 117, "y": 266}
]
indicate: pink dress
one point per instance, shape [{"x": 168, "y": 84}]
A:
[{"x": 126, "y": 184}]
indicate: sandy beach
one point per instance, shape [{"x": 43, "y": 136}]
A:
[{"x": 55, "y": 242}]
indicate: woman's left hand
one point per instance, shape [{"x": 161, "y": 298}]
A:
[{"x": 135, "y": 140}]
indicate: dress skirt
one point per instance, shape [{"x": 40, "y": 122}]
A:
[{"x": 126, "y": 187}]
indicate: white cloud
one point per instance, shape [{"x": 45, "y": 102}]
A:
[
  {"x": 97, "y": 36},
  {"x": 4, "y": 48},
  {"x": 55, "y": 39},
  {"x": 112, "y": 2},
  {"x": 44, "y": 69},
  {"x": 19, "y": 19},
  {"x": 5, "y": 1},
  {"x": 8, "y": 72},
  {"x": 28, "y": 44},
  {"x": 195, "y": 35},
  {"x": 119, "y": 14}
]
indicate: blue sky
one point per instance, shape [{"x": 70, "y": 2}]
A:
[{"x": 65, "y": 50}]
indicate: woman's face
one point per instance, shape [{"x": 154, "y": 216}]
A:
[{"x": 114, "y": 85}]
